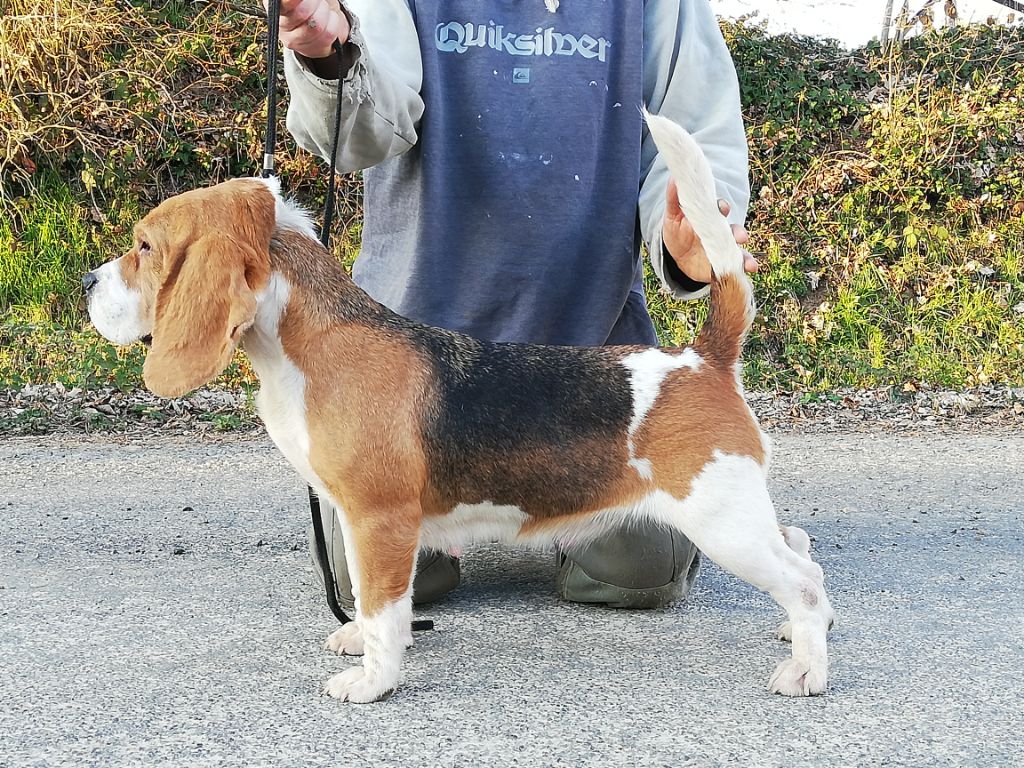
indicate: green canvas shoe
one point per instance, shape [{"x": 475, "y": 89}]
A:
[{"x": 638, "y": 567}]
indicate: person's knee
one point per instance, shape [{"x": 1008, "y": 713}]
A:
[{"x": 645, "y": 567}]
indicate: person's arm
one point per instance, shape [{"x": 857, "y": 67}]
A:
[
  {"x": 382, "y": 72},
  {"x": 690, "y": 78}
]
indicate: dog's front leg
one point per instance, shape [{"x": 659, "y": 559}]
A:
[
  {"x": 348, "y": 639},
  {"x": 381, "y": 551}
]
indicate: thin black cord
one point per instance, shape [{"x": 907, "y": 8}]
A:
[
  {"x": 320, "y": 541},
  {"x": 325, "y": 238},
  {"x": 270, "y": 142},
  {"x": 274, "y": 24},
  {"x": 1013, "y": 4},
  {"x": 329, "y": 205}
]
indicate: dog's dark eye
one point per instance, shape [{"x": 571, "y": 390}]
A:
[{"x": 143, "y": 248}]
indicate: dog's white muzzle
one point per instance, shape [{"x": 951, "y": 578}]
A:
[{"x": 114, "y": 308}]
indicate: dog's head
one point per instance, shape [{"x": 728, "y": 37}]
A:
[{"x": 189, "y": 282}]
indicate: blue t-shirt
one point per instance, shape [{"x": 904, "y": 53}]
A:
[{"x": 514, "y": 217}]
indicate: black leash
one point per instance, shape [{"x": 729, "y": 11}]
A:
[
  {"x": 325, "y": 230},
  {"x": 270, "y": 137},
  {"x": 274, "y": 22}
]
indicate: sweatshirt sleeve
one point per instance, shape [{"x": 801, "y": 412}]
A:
[
  {"x": 381, "y": 103},
  {"x": 689, "y": 77}
]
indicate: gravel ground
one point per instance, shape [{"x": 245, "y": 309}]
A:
[
  {"x": 54, "y": 409},
  {"x": 157, "y": 608}
]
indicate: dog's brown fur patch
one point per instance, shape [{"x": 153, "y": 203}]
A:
[{"x": 695, "y": 414}]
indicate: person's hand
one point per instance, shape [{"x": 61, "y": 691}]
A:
[
  {"x": 310, "y": 27},
  {"x": 683, "y": 245}
]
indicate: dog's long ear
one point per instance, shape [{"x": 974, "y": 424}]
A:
[{"x": 202, "y": 309}]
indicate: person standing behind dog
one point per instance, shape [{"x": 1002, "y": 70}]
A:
[{"x": 510, "y": 180}]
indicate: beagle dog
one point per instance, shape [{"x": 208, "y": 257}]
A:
[{"x": 421, "y": 437}]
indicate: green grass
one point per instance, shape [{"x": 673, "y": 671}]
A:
[{"x": 37, "y": 268}]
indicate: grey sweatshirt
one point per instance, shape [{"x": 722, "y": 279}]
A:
[{"x": 511, "y": 178}]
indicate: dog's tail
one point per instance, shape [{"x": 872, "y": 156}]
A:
[{"x": 732, "y": 298}]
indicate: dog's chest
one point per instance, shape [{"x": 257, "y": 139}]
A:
[
  {"x": 281, "y": 405},
  {"x": 281, "y": 401}
]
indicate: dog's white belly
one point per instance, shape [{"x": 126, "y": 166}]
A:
[
  {"x": 488, "y": 523},
  {"x": 472, "y": 524}
]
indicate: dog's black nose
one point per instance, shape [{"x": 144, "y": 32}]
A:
[{"x": 89, "y": 280}]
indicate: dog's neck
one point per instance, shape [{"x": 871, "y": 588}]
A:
[
  {"x": 329, "y": 294},
  {"x": 308, "y": 292}
]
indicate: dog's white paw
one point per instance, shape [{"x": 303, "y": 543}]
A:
[
  {"x": 794, "y": 677},
  {"x": 347, "y": 641},
  {"x": 357, "y": 686},
  {"x": 785, "y": 632}
]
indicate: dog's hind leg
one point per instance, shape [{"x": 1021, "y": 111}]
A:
[
  {"x": 382, "y": 550},
  {"x": 797, "y": 540},
  {"x": 730, "y": 517}
]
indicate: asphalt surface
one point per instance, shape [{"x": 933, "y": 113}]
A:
[{"x": 157, "y": 608}]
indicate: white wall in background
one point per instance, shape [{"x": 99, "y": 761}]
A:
[{"x": 851, "y": 23}]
